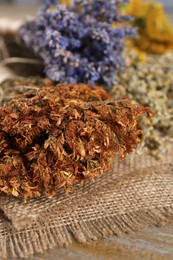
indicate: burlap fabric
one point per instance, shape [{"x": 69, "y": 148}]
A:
[{"x": 136, "y": 193}]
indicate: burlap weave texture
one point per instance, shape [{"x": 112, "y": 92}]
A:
[{"x": 136, "y": 193}]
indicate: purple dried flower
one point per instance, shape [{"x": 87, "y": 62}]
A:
[
  {"x": 78, "y": 43},
  {"x": 97, "y": 10}
]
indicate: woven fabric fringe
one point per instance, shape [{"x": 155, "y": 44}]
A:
[{"x": 136, "y": 193}]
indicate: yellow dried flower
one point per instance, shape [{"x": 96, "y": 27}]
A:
[
  {"x": 66, "y": 2},
  {"x": 155, "y": 32}
]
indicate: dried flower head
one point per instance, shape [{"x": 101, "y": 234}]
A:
[{"x": 57, "y": 136}]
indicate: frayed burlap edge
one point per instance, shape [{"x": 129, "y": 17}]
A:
[{"x": 20, "y": 245}]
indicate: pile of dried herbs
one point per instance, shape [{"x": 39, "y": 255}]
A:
[{"x": 57, "y": 136}]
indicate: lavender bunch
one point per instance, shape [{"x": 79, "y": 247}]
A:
[{"x": 78, "y": 43}]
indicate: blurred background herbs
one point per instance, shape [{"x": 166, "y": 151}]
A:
[
  {"x": 150, "y": 83},
  {"x": 79, "y": 43},
  {"x": 155, "y": 34}
]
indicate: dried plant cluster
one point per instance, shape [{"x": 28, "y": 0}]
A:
[
  {"x": 78, "y": 43},
  {"x": 57, "y": 136},
  {"x": 155, "y": 32},
  {"x": 150, "y": 84}
]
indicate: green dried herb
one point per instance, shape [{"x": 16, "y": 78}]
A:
[
  {"x": 150, "y": 84},
  {"x": 58, "y": 136}
]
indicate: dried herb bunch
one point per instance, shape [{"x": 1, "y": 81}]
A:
[
  {"x": 155, "y": 31},
  {"x": 150, "y": 84},
  {"x": 57, "y": 136},
  {"x": 78, "y": 43}
]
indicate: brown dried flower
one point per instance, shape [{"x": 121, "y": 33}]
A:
[{"x": 57, "y": 136}]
